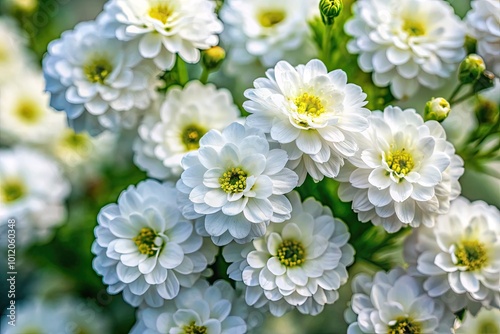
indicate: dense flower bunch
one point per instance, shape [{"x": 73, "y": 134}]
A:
[{"x": 247, "y": 199}]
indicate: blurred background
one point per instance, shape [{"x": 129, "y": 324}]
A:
[{"x": 55, "y": 278}]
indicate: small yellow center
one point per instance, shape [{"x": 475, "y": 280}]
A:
[
  {"x": 28, "y": 111},
  {"x": 98, "y": 69},
  {"x": 309, "y": 105},
  {"x": 191, "y": 136},
  {"x": 234, "y": 180},
  {"x": 161, "y": 12},
  {"x": 11, "y": 190},
  {"x": 192, "y": 328},
  {"x": 405, "y": 325},
  {"x": 400, "y": 161},
  {"x": 414, "y": 28},
  {"x": 471, "y": 254},
  {"x": 145, "y": 241},
  {"x": 490, "y": 327},
  {"x": 291, "y": 253},
  {"x": 270, "y": 18}
]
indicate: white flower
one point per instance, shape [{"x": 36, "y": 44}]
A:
[
  {"x": 144, "y": 247},
  {"x": 32, "y": 191},
  {"x": 166, "y": 136},
  {"x": 13, "y": 58},
  {"x": 313, "y": 114},
  {"x": 300, "y": 263},
  {"x": 267, "y": 31},
  {"x": 237, "y": 183},
  {"x": 483, "y": 22},
  {"x": 486, "y": 321},
  {"x": 62, "y": 316},
  {"x": 99, "y": 82},
  {"x": 405, "y": 173},
  {"x": 459, "y": 256},
  {"x": 26, "y": 115},
  {"x": 164, "y": 28},
  {"x": 199, "y": 309},
  {"x": 406, "y": 43},
  {"x": 395, "y": 303}
]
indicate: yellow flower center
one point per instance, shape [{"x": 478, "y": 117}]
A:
[
  {"x": 28, "y": 111},
  {"x": 191, "y": 136},
  {"x": 405, "y": 325},
  {"x": 161, "y": 12},
  {"x": 400, "y": 161},
  {"x": 234, "y": 180},
  {"x": 97, "y": 69},
  {"x": 490, "y": 327},
  {"x": 309, "y": 105},
  {"x": 145, "y": 241},
  {"x": 291, "y": 253},
  {"x": 270, "y": 18},
  {"x": 414, "y": 28},
  {"x": 11, "y": 190},
  {"x": 471, "y": 254},
  {"x": 192, "y": 328}
]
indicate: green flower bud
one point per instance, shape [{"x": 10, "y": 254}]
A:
[
  {"x": 437, "y": 109},
  {"x": 487, "y": 111},
  {"x": 213, "y": 57},
  {"x": 329, "y": 10},
  {"x": 485, "y": 81},
  {"x": 471, "y": 69}
]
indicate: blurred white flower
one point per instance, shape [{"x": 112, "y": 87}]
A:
[
  {"x": 166, "y": 136},
  {"x": 25, "y": 112},
  {"x": 483, "y": 22},
  {"x": 199, "y": 309},
  {"x": 486, "y": 321},
  {"x": 164, "y": 28},
  {"x": 32, "y": 191},
  {"x": 62, "y": 316},
  {"x": 145, "y": 248},
  {"x": 395, "y": 303},
  {"x": 13, "y": 57},
  {"x": 459, "y": 256},
  {"x": 261, "y": 31},
  {"x": 405, "y": 173},
  {"x": 237, "y": 183},
  {"x": 406, "y": 43},
  {"x": 101, "y": 83},
  {"x": 300, "y": 263},
  {"x": 313, "y": 114}
]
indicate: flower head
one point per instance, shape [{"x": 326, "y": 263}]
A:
[
  {"x": 102, "y": 83},
  {"x": 165, "y": 137},
  {"x": 406, "y": 43},
  {"x": 300, "y": 263},
  {"x": 32, "y": 192},
  {"x": 237, "y": 183},
  {"x": 145, "y": 248},
  {"x": 437, "y": 109},
  {"x": 164, "y": 28},
  {"x": 405, "y": 173},
  {"x": 314, "y": 114},
  {"x": 395, "y": 303},
  {"x": 459, "y": 256}
]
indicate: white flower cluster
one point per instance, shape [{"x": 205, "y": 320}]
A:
[{"x": 406, "y": 43}]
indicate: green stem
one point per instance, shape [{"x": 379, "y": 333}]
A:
[
  {"x": 462, "y": 98},
  {"x": 455, "y": 92},
  {"x": 327, "y": 37},
  {"x": 204, "y": 76},
  {"x": 182, "y": 71}
]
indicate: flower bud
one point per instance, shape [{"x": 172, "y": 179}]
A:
[
  {"x": 485, "y": 81},
  {"x": 329, "y": 10},
  {"x": 213, "y": 57},
  {"x": 487, "y": 111},
  {"x": 471, "y": 69},
  {"x": 437, "y": 109}
]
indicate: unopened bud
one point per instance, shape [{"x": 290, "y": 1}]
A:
[
  {"x": 329, "y": 10},
  {"x": 437, "y": 109},
  {"x": 471, "y": 69},
  {"x": 485, "y": 81},
  {"x": 487, "y": 111},
  {"x": 213, "y": 57}
]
